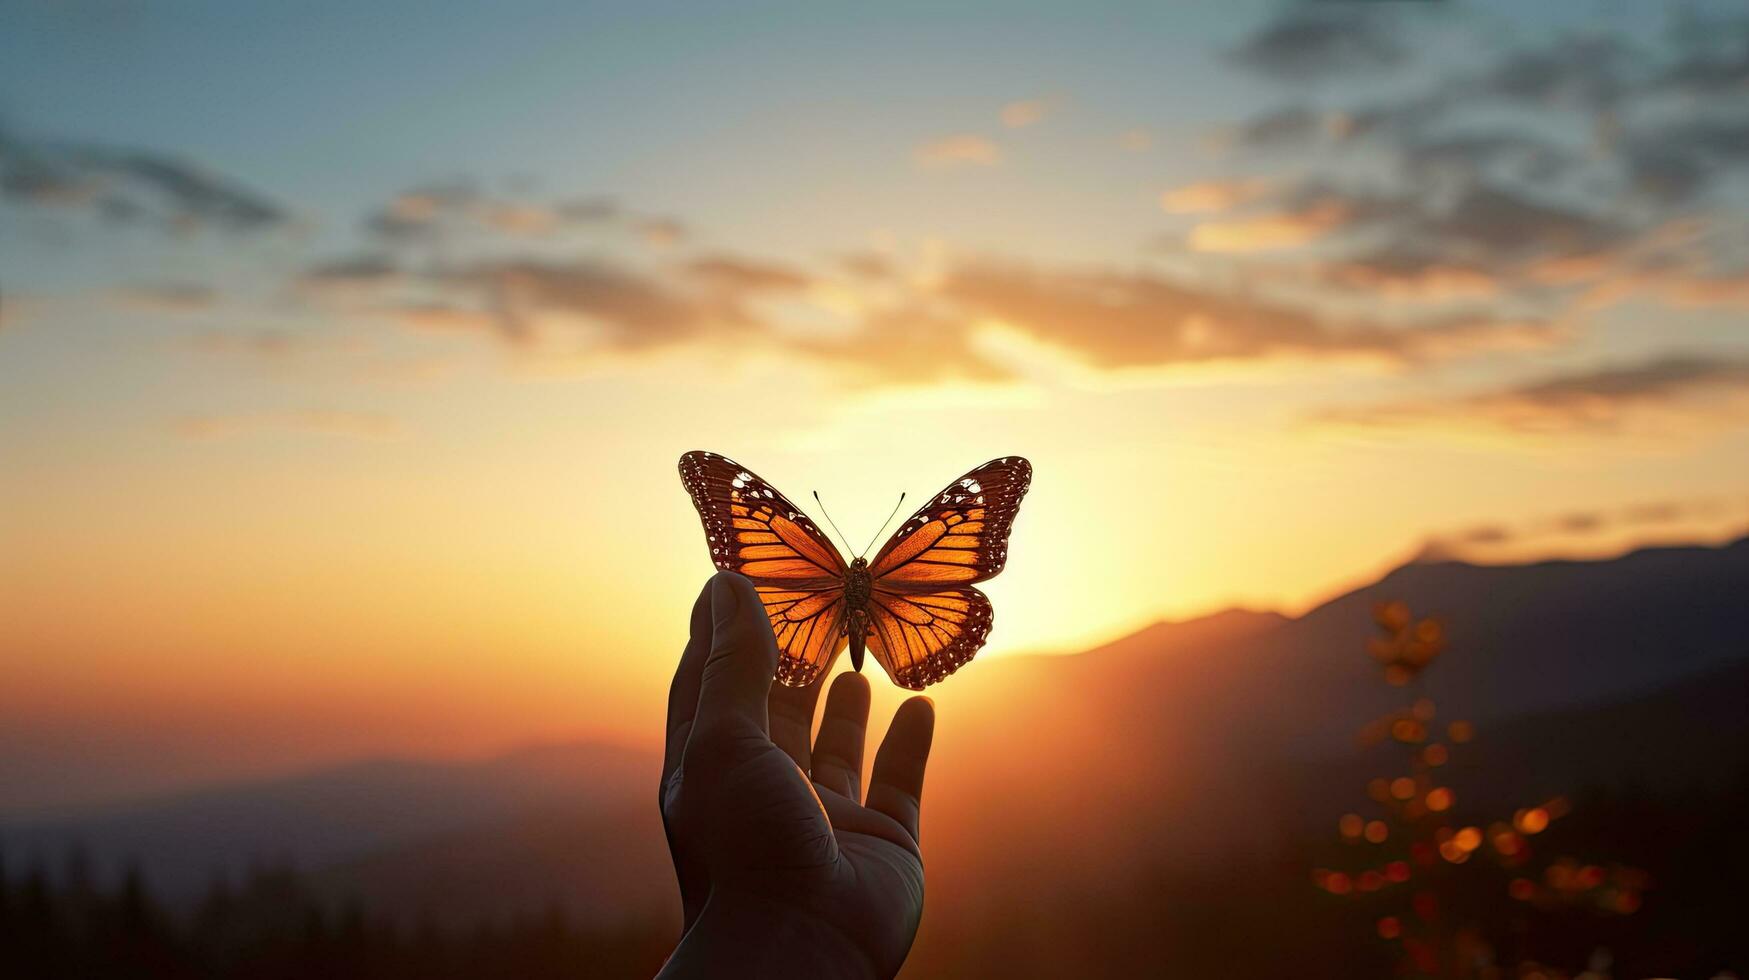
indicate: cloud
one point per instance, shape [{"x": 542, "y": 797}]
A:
[
  {"x": 1213, "y": 195},
  {"x": 433, "y": 212},
  {"x": 1027, "y": 112},
  {"x": 887, "y": 326},
  {"x": 959, "y": 151},
  {"x": 1122, "y": 320},
  {"x": 631, "y": 310},
  {"x": 1606, "y": 400},
  {"x": 324, "y": 422},
  {"x": 1540, "y": 536},
  {"x": 167, "y": 297},
  {"x": 130, "y": 186},
  {"x": 1290, "y": 125},
  {"x": 1315, "y": 41},
  {"x": 1269, "y": 231},
  {"x": 907, "y": 346},
  {"x": 661, "y": 232},
  {"x": 745, "y": 276},
  {"x": 364, "y": 269},
  {"x": 1408, "y": 270},
  {"x": 1583, "y": 72}
]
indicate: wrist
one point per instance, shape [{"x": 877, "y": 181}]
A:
[{"x": 745, "y": 934}]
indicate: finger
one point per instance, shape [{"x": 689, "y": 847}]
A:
[
  {"x": 896, "y": 787},
  {"x": 742, "y": 661},
  {"x": 792, "y": 717},
  {"x": 683, "y": 692},
  {"x": 843, "y": 730}
]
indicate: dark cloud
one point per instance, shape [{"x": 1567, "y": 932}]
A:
[
  {"x": 740, "y": 275},
  {"x": 1605, "y": 400},
  {"x": 1583, "y": 72},
  {"x": 431, "y": 212},
  {"x": 1493, "y": 540},
  {"x": 1473, "y": 157},
  {"x": 1490, "y": 221},
  {"x": 130, "y": 186},
  {"x": 1313, "y": 41},
  {"x": 633, "y": 310},
  {"x": 1291, "y": 125},
  {"x": 1658, "y": 380},
  {"x": 366, "y": 269}
]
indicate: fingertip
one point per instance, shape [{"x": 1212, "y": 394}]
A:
[
  {"x": 726, "y": 592},
  {"x": 919, "y": 710},
  {"x": 851, "y": 685}
]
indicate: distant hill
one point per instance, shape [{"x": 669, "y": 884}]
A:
[
  {"x": 1183, "y": 744},
  {"x": 182, "y": 842}
]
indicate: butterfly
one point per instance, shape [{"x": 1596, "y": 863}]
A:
[{"x": 913, "y": 606}]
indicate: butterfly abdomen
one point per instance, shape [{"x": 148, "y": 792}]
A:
[{"x": 858, "y": 586}]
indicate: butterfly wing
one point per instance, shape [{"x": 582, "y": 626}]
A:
[
  {"x": 926, "y": 621},
  {"x": 921, "y": 637},
  {"x": 960, "y": 536},
  {"x": 755, "y": 531}
]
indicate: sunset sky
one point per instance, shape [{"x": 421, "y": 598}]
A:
[{"x": 346, "y": 352}]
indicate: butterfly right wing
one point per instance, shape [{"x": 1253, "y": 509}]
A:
[
  {"x": 921, "y": 637},
  {"x": 960, "y": 536},
  {"x": 755, "y": 531}
]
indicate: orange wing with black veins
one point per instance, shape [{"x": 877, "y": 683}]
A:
[{"x": 755, "y": 531}]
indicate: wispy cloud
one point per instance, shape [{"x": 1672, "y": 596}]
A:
[
  {"x": 125, "y": 185},
  {"x": 966, "y": 150},
  {"x": 1213, "y": 195},
  {"x": 1538, "y": 536},
  {"x": 1640, "y": 397},
  {"x": 440, "y": 212},
  {"x": 1028, "y": 112}
]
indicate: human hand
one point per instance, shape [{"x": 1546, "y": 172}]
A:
[{"x": 784, "y": 868}]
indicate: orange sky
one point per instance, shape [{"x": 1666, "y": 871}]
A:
[{"x": 305, "y": 462}]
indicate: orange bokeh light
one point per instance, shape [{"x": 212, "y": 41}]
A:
[{"x": 1532, "y": 821}]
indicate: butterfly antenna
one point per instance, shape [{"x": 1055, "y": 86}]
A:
[
  {"x": 889, "y": 520},
  {"x": 830, "y": 521}
]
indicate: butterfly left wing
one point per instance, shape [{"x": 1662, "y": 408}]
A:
[
  {"x": 921, "y": 637},
  {"x": 755, "y": 531},
  {"x": 925, "y": 619}
]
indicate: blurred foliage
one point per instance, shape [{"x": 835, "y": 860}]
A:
[
  {"x": 271, "y": 927},
  {"x": 1406, "y": 855}
]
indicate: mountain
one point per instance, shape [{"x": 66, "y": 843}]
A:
[{"x": 182, "y": 842}]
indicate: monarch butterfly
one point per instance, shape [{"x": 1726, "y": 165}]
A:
[{"x": 913, "y": 605}]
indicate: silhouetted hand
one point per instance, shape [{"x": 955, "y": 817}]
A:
[{"x": 784, "y": 869}]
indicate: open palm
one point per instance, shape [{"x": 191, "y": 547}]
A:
[{"x": 783, "y": 866}]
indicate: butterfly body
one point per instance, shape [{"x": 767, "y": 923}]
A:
[
  {"x": 913, "y": 605},
  {"x": 858, "y": 588}
]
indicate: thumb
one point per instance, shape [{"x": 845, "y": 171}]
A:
[{"x": 743, "y": 658}]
